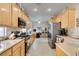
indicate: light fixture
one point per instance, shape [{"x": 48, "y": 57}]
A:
[
  {"x": 35, "y": 9},
  {"x": 39, "y": 22},
  {"x": 49, "y": 9}
]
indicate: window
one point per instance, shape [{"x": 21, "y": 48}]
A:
[{"x": 2, "y": 31}]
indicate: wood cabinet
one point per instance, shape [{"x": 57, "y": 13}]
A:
[
  {"x": 58, "y": 18},
  {"x": 22, "y": 49},
  {"x": 71, "y": 18},
  {"x": 20, "y": 13},
  {"x": 9, "y": 13},
  {"x": 25, "y": 18},
  {"x": 29, "y": 24},
  {"x": 53, "y": 19},
  {"x": 32, "y": 38},
  {"x": 17, "y": 50},
  {"x": 67, "y": 18},
  {"x": 64, "y": 19},
  {"x": 5, "y": 14},
  {"x": 59, "y": 52},
  {"x": 15, "y": 15},
  {"x": 7, "y": 53}
]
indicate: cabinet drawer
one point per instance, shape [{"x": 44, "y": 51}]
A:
[{"x": 7, "y": 53}]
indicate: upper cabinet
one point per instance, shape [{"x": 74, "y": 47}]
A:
[
  {"x": 58, "y": 18},
  {"x": 26, "y": 19},
  {"x": 15, "y": 15},
  {"x": 5, "y": 14},
  {"x": 67, "y": 18},
  {"x": 9, "y": 14},
  {"x": 71, "y": 18},
  {"x": 53, "y": 19},
  {"x": 64, "y": 19}
]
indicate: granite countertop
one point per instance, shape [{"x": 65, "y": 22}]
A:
[
  {"x": 70, "y": 46},
  {"x": 6, "y": 44},
  {"x": 69, "y": 50}
]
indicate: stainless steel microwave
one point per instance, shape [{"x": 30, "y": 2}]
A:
[{"x": 21, "y": 22}]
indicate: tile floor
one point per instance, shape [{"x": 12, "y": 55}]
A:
[{"x": 40, "y": 47}]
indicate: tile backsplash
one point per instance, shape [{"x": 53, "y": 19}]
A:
[
  {"x": 9, "y": 30},
  {"x": 4, "y": 31},
  {"x": 73, "y": 32}
]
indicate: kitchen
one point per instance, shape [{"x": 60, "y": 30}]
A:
[{"x": 39, "y": 29}]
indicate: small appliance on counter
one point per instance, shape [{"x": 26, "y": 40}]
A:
[
  {"x": 63, "y": 32},
  {"x": 17, "y": 34},
  {"x": 59, "y": 39}
]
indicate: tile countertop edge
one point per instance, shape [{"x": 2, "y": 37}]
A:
[{"x": 18, "y": 40}]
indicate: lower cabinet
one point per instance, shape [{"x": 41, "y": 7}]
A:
[
  {"x": 59, "y": 52},
  {"x": 17, "y": 50},
  {"x": 7, "y": 53},
  {"x": 32, "y": 38},
  {"x": 22, "y": 50}
]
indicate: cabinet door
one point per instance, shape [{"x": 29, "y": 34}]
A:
[
  {"x": 0, "y": 16},
  {"x": 23, "y": 49},
  {"x": 5, "y": 9},
  {"x": 64, "y": 20},
  {"x": 19, "y": 49},
  {"x": 58, "y": 18},
  {"x": 71, "y": 20},
  {"x": 7, "y": 53},
  {"x": 17, "y": 52},
  {"x": 59, "y": 52},
  {"x": 15, "y": 12}
]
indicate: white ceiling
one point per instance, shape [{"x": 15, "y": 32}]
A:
[{"x": 42, "y": 14}]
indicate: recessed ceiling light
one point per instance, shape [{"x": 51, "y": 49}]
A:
[
  {"x": 49, "y": 9},
  {"x": 39, "y": 21},
  {"x": 35, "y": 9}
]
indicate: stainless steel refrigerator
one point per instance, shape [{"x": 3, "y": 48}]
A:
[{"x": 53, "y": 29}]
